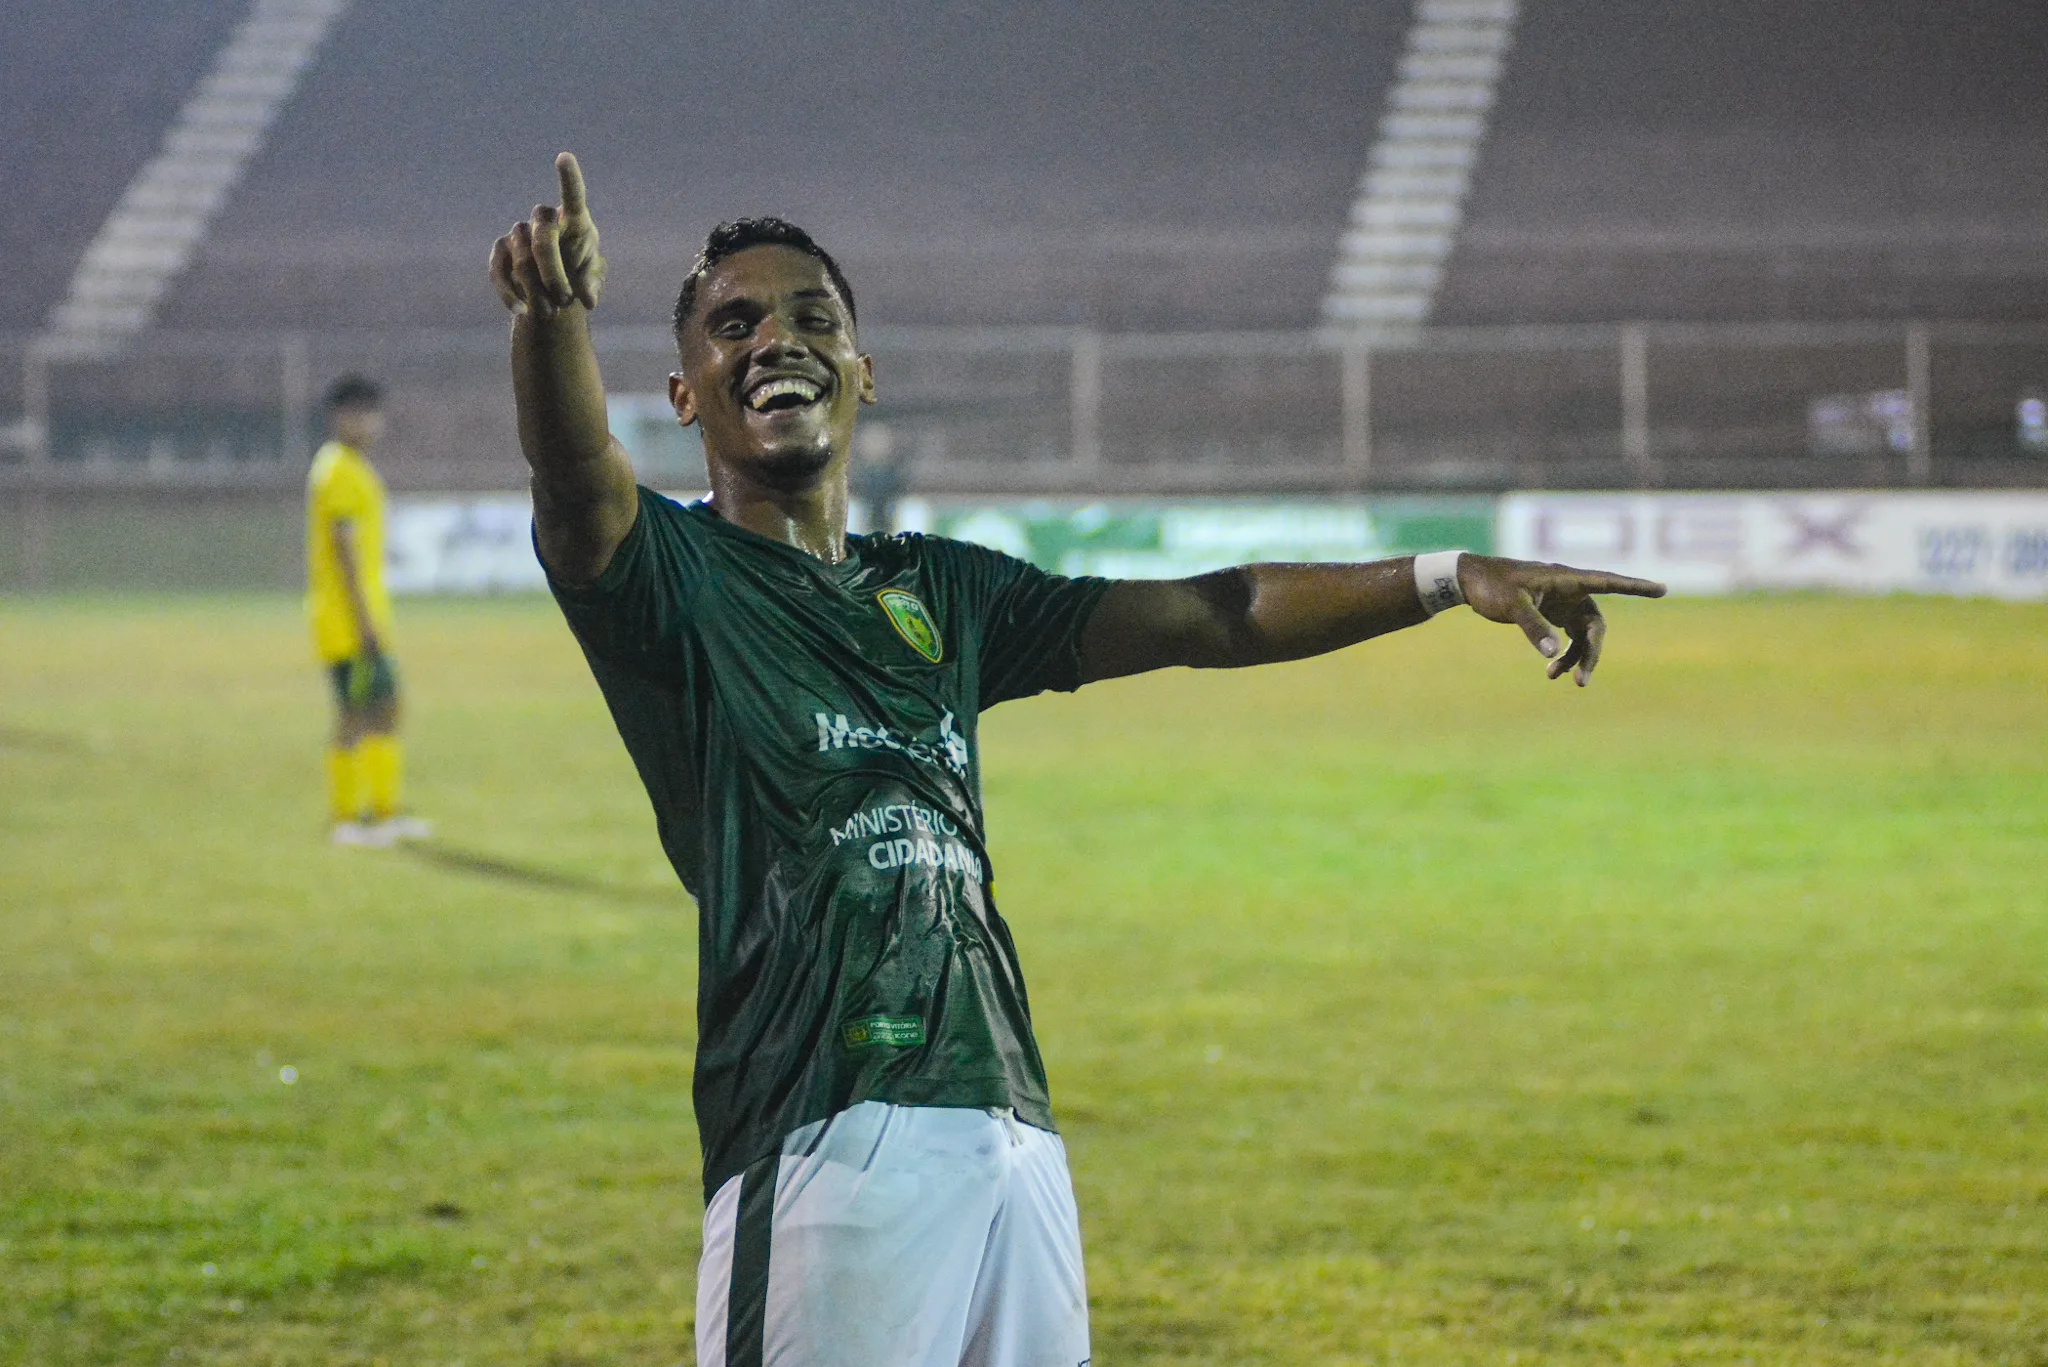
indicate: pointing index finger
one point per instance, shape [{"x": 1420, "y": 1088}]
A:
[
  {"x": 571, "y": 176},
  {"x": 1599, "y": 581}
]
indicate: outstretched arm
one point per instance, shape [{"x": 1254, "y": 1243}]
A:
[
  {"x": 548, "y": 273},
  {"x": 1261, "y": 614}
]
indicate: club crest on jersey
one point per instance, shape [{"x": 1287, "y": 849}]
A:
[{"x": 912, "y": 622}]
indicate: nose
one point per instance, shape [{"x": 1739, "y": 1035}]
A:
[{"x": 774, "y": 340}]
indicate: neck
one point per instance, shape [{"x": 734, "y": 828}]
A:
[{"x": 810, "y": 517}]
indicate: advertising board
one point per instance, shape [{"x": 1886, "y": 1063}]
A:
[
  {"x": 1966, "y": 544},
  {"x": 480, "y": 543},
  {"x": 466, "y": 543},
  {"x": 1975, "y": 544}
]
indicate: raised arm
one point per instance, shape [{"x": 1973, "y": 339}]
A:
[
  {"x": 1262, "y": 614},
  {"x": 548, "y": 273}
]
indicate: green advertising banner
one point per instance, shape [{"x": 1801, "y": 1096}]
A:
[{"x": 1134, "y": 540}]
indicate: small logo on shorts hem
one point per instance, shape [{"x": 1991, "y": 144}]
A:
[{"x": 894, "y": 1032}]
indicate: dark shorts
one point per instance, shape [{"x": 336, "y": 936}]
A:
[{"x": 362, "y": 682}]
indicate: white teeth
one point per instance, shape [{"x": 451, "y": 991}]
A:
[{"x": 775, "y": 389}]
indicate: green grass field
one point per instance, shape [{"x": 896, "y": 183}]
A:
[{"x": 1399, "y": 1006}]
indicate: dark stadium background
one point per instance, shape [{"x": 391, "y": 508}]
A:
[{"x": 1123, "y": 164}]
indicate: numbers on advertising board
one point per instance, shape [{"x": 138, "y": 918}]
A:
[
  {"x": 1992, "y": 542},
  {"x": 1953, "y": 552},
  {"x": 2026, "y": 553}
]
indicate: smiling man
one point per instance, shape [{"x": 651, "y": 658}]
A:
[{"x": 884, "y": 1185}]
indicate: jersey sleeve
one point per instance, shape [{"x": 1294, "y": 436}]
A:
[
  {"x": 1030, "y": 622},
  {"x": 344, "y": 496},
  {"x": 634, "y": 615}
]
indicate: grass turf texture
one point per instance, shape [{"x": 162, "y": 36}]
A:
[{"x": 1399, "y": 1006}]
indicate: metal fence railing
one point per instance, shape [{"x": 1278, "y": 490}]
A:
[{"x": 1065, "y": 411}]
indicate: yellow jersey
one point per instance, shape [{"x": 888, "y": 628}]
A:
[{"x": 343, "y": 487}]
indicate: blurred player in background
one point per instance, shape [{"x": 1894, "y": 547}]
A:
[
  {"x": 884, "y": 1184},
  {"x": 351, "y": 618}
]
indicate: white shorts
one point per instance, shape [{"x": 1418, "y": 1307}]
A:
[{"x": 897, "y": 1236}]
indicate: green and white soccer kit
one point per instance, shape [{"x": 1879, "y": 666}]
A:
[{"x": 807, "y": 735}]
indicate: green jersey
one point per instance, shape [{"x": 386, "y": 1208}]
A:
[{"x": 806, "y": 733}]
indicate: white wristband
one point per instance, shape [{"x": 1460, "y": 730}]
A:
[{"x": 1436, "y": 581}]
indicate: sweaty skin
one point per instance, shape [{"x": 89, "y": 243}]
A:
[{"x": 770, "y": 311}]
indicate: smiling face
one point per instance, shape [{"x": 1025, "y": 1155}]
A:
[{"x": 771, "y": 369}]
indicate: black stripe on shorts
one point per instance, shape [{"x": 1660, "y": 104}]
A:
[{"x": 746, "y": 1306}]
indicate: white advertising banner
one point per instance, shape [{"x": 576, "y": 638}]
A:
[
  {"x": 1974, "y": 544},
  {"x": 464, "y": 543},
  {"x": 461, "y": 543}
]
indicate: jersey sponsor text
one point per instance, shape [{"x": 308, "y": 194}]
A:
[{"x": 835, "y": 732}]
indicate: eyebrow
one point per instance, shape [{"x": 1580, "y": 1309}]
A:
[
  {"x": 746, "y": 302},
  {"x": 742, "y": 304}
]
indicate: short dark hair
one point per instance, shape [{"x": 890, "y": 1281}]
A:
[
  {"x": 354, "y": 391},
  {"x": 729, "y": 239}
]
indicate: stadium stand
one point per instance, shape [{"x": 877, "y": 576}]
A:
[
  {"x": 162, "y": 219},
  {"x": 1788, "y": 165}
]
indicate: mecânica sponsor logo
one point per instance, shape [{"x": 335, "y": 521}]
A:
[{"x": 949, "y": 747}]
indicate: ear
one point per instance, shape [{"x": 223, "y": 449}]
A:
[
  {"x": 867, "y": 378},
  {"x": 682, "y": 398}
]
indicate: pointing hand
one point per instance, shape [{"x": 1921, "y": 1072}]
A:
[
  {"x": 551, "y": 262},
  {"x": 1541, "y": 598}
]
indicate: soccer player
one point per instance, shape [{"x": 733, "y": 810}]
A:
[
  {"x": 351, "y": 618},
  {"x": 884, "y": 1185}
]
